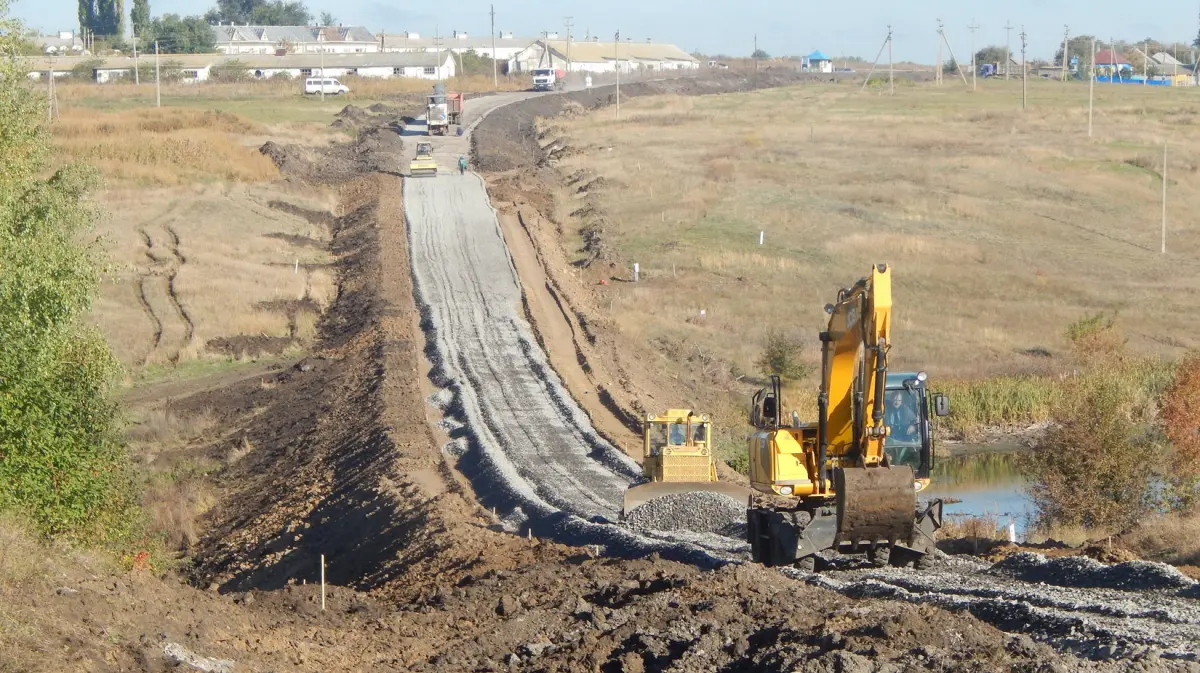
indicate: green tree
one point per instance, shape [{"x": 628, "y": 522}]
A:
[
  {"x": 60, "y": 464},
  {"x": 474, "y": 63},
  {"x": 1080, "y": 47},
  {"x": 139, "y": 17},
  {"x": 87, "y": 14},
  {"x": 181, "y": 35},
  {"x": 328, "y": 19},
  {"x": 110, "y": 18},
  {"x": 260, "y": 12},
  {"x": 783, "y": 356},
  {"x": 950, "y": 66},
  {"x": 991, "y": 54},
  {"x": 760, "y": 55}
]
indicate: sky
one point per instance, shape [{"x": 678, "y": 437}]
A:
[{"x": 783, "y": 27}]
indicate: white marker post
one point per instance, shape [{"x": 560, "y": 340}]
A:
[
  {"x": 760, "y": 237},
  {"x": 322, "y": 581},
  {"x": 635, "y": 272}
]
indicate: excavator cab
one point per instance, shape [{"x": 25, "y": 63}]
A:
[{"x": 677, "y": 457}]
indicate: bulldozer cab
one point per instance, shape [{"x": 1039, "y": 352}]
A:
[{"x": 677, "y": 457}]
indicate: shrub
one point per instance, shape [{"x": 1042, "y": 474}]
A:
[
  {"x": 60, "y": 465},
  {"x": 1181, "y": 424},
  {"x": 783, "y": 357}
]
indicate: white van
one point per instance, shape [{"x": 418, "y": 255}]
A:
[{"x": 327, "y": 85}]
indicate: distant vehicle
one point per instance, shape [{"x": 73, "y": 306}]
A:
[
  {"x": 548, "y": 79},
  {"x": 844, "y": 70},
  {"x": 328, "y": 86},
  {"x": 442, "y": 110}
]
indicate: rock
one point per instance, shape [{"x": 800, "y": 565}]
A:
[
  {"x": 507, "y": 606},
  {"x": 631, "y": 662},
  {"x": 536, "y": 649}
]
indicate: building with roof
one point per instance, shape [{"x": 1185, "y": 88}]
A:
[
  {"x": 1110, "y": 62},
  {"x": 458, "y": 41},
  {"x": 596, "y": 56},
  {"x": 231, "y": 39},
  {"x": 65, "y": 43},
  {"x": 199, "y": 67},
  {"x": 816, "y": 62}
]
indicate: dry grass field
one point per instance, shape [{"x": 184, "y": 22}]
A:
[
  {"x": 213, "y": 257},
  {"x": 1002, "y": 227}
]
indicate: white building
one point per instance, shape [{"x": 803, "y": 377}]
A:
[
  {"x": 231, "y": 39},
  {"x": 596, "y": 56},
  {"x": 65, "y": 43},
  {"x": 199, "y": 67},
  {"x": 506, "y": 45}
]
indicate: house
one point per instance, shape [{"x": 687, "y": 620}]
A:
[
  {"x": 420, "y": 65},
  {"x": 816, "y": 62},
  {"x": 506, "y": 46},
  {"x": 235, "y": 40},
  {"x": 199, "y": 67},
  {"x": 596, "y": 56},
  {"x": 1108, "y": 62},
  {"x": 65, "y": 43}
]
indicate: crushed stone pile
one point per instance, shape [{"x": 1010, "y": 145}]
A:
[
  {"x": 1081, "y": 571},
  {"x": 699, "y": 511}
]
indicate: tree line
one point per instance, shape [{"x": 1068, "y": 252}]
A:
[{"x": 177, "y": 34}]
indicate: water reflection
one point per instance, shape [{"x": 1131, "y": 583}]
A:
[{"x": 985, "y": 482}]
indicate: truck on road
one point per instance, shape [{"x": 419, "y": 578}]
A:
[
  {"x": 548, "y": 79},
  {"x": 442, "y": 109}
]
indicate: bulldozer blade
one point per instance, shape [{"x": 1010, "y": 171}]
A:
[
  {"x": 636, "y": 496},
  {"x": 875, "y": 504}
]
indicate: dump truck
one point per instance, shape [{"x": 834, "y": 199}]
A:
[
  {"x": 548, "y": 79},
  {"x": 424, "y": 164},
  {"x": 442, "y": 109},
  {"x": 677, "y": 457},
  {"x": 849, "y": 480}
]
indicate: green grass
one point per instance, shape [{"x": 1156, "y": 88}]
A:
[{"x": 196, "y": 369}]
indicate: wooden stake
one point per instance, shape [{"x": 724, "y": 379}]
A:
[{"x": 322, "y": 581}]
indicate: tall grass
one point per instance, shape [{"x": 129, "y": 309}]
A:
[{"x": 165, "y": 146}]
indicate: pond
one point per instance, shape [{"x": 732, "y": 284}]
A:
[{"x": 982, "y": 481}]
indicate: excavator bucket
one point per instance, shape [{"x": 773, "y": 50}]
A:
[
  {"x": 875, "y": 504},
  {"x": 639, "y": 495}
]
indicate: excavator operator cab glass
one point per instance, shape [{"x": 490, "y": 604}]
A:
[{"x": 902, "y": 415}]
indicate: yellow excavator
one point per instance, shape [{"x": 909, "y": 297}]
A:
[
  {"x": 424, "y": 163},
  {"x": 677, "y": 457},
  {"x": 849, "y": 480}
]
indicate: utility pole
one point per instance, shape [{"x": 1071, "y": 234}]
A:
[
  {"x": 942, "y": 33},
  {"x": 886, "y": 41},
  {"x": 1145, "y": 62},
  {"x": 939, "y": 69},
  {"x": 322, "y": 74},
  {"x": 495, "y": 77},
  {"x": 1008, "y": 28},
  {"x": 1066, "y": 50},
  {"x": 891, "y": 66},
  {"x": 1091, "y": 87},
  {"x": 437, "y": 45},
  {"x": 1024, "y": 71},
  {"x": 157, "y": 79},
  {"x": 51, "y": 102},
  {"x": 568, "y": 46},
  {"x": 754, "y": 57},
  {"x": 1164, "y": 201},
  {"x": 973, "y": 27},
  {"x": 137, "y": 78},
  {"x": 617, "y": 60}
]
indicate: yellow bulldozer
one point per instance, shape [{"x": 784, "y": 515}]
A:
[
  {"x": 850, "y": 479},
  {"x": 677, "y": 457},
  {"x": 423, "y": 164}
]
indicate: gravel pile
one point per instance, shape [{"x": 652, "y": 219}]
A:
[
  {"x": 1081, "y": 571},
  {"x": 698, "y": 511}
]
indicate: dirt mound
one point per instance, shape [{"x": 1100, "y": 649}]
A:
[
  {"x": 249, "y": 346},
  {"x": 699, "y": 511},
  {"x": 1081, "y": 571}
]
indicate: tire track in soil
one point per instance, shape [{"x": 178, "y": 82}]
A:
[{"x": 157, "y": 292}]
